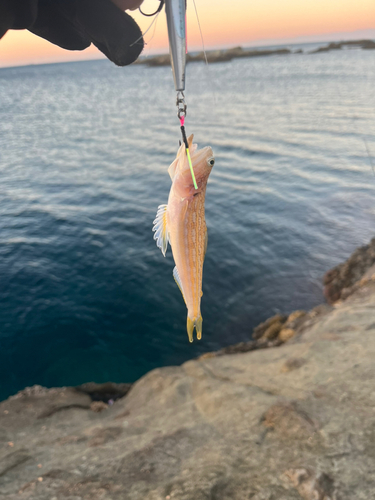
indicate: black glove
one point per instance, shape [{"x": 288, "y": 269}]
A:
[{"x": 75, "y": 24}]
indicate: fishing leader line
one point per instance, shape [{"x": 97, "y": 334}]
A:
[
  {"x": 209, "y": 81},
  {"x": 355, "y": 121},
  {"x": 156, "y": 14}
]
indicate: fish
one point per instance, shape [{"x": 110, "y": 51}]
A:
[{"x": 181, "y": 222}]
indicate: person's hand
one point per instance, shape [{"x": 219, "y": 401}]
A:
[{"x": 75, "y": 24}]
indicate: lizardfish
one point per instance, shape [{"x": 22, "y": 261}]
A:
[{"x": 182, "y": 223}]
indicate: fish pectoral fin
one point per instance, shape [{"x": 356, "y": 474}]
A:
[
  {"x": 177, "y": 279},
  {"x": 161, "y": 229}
]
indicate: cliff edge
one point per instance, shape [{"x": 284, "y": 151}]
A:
[{"x": 291, "y": 422}]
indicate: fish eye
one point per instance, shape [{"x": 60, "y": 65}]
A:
[{"x": 211, "y": 162}]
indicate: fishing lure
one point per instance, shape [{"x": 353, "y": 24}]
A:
[{"x": 176, "y": 22}]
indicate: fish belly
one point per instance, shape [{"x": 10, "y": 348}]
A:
[{"x": 188, "y": 246}]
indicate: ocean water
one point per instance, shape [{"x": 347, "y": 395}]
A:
[{"x": 84, "y": 150}]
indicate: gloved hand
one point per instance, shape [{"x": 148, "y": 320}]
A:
[{"x": 75, "y": 24}]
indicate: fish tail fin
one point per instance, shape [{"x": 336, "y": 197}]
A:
[
  {"x": 194, "y": 323},
  {"x": 198, "y": 326},
  {"x": 190, "y": 328}
]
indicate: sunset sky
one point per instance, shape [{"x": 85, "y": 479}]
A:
[{"x": 238, "y": 22}]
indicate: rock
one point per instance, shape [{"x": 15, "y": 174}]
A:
[
  {"x": 292, "y": 364},
  {"x": 369, "y": 275},
  {"x": 286, "y": 334},
  {"x": 287, "y": 423},
  {"x": 364, "y": 44},
  {"x": 242, "y": 347},
  {"x": 319, "y": 311},
  {"x": 35, "y": 403},
  {"x": 260, "y": 330},
  {"x": 312, "y": 486},
  {"x": 218, "y": 56},
  {"x": 272, "y": 331},
  {"x": 208, "y": 355},
  {"x": 11, "y": 460},
  {"x": 294, "y": 316},
  {"x": 163, "y": 60},
  {"x": 213, "y": 56},
  {"x": 102, "y": 436},
  {"x": 368, "y": 45},
  {"x": 327, "y": 48},
  {"x": 224, "y": 55},
  {"x": 347, "y": 274},
  {"x": 108, "y": 392},
  {"x": 98, "y": 406}
]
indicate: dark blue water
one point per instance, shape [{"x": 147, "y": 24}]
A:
[{"x": 84, "y": 150}]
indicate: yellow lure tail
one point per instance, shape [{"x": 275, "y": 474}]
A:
[
  {"x": 191, "y": 168},
  {"x": 194, "y": 323}
]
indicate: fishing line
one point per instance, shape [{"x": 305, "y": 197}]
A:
[
  {"x": 148, "y": 29},
  {"x": 210, "y": 81},
  {"x": 153, "y": 33},
  {"x": 355, "y": 119},
  {"x": 181, "y": 113},
  {"x": 200, "y": 31},
  {"x": 369, "y": 154}
]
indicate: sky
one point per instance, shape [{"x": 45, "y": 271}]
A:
[{"x": 223, "y": 24}]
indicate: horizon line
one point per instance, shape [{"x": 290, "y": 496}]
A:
[{"x": 256, "y": 44}]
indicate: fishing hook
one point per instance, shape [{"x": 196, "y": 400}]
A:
[{"x": 161, "y": 5}]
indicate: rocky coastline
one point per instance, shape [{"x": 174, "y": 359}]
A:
[
  {"x": 288, "y": 415},
  {"x": 362, "y": 44},
  {"x": 225, "y": 55}
]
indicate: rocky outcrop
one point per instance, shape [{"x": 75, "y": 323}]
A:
[
  {"x": 275, "y": 331},
  {"x": 290, "y": 422},
  {"x": 213, "y": 56},
  {"x": 363, "y": 44},
  {"x": 347, "y": 277},
  {"x": 224, "y": 55}
]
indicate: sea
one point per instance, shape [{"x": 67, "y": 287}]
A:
[{"x": 85, "y": 293}]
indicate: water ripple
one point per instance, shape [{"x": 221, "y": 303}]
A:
[{"x": 86, "y": 294}]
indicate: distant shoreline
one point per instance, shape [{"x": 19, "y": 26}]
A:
[{"x": 225, "y": 55}]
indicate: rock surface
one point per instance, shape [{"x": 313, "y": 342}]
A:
[
  {"x": 363, "y": 44},
  {"x": 344, "y": 279},
  {"x": 291, "y": 422}
]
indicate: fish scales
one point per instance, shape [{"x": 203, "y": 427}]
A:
[
  {"x": 194, "y": 251},
  {"x": 182, "y": 223}
]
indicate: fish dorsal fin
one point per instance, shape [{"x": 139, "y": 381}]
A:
[
  {"x": 178, "y": 281},
  {"x": 192, "y": 147},
  {"x": 160, "y": 228}
]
